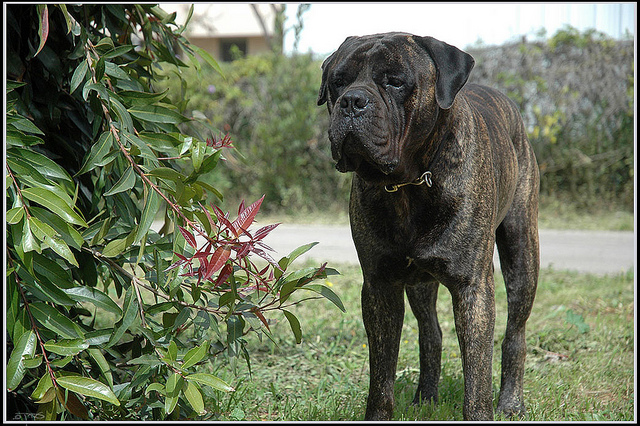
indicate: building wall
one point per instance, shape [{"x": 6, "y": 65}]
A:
[
  {"x": 212, "y": 24},
  {"x": 213, "y": 45}
]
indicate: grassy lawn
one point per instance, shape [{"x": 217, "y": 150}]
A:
[
  {"x": 580, "y": 360},
  {"x": 554, "y": 214}
]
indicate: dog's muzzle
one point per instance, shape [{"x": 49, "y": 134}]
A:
[{"x": 356, "y": 137}]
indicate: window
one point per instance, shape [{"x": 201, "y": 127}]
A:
[{"x": 230, "y": 48}]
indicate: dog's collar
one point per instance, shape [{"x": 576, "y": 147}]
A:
[{"x": 425, "y": 178}]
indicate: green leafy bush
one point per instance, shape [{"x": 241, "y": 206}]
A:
[
  {"x": 108, "y": 315},
  {"x": 268, "y": 102},
  {"x": 575, "y": 92}
]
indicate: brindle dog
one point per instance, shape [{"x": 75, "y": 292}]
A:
[{"x": 442, "y": 172}]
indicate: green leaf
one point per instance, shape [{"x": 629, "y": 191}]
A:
[
  {"x": 173, "y": 388},
  {"x": 115, "y": 247},
  {"x": 78, "y": 76},
  {"x": 50, "y": 318},
  {"x": 172, "y": 352},
  {"x": 66, "y": 230},
  {"x": 25, "y": 347},
  {"x": 48, "y": 269},
  {"x": 157, "y": 114},
  {"x": 94, "y": 296},
  {"x": 98, "y": 337},
  {"x": 113, "y": 70},
  {"x": 195, "y": 355},
  {"x": 130, "y": 309},
  {"x": 25, "y": 125},
  {"x": 151, "y": 207},
  {"x": 150, "y": 360},
  {"x": 40, "y": 230},
  {"x": 142, "y": 98},
  {"x": 14, "y": 215},
  {"x": 44, "y": 384},
  {"x": 43, "y": 164},
  {"x": 194, "y": 396},
  {"x": 99, "y": 88},
  {"x": 88, "y": 387},
  {"x": 160, "y": 307},
  {"x": 48, "y": 411},
  {"x": 158, "y": 387},
  {"x": 235, "y": 325},
  {"x": 211, "y": 381},
  {"x": 295, "y": 325},
  {"x": 102, "y": 363},
  {"x": 197, "y": 154},
  {"x": 66, "y": 347},
  {"x": 29, "y": 242},
  {"x": 208, "y": 58},
  {"x": 105, "y": 45},
  {"x": 122, "y": 114},
  {"x": 99, "y": 72},
  {"x": 125, "y": 183},
  {"x": 60, "y": 247},
  {"x": 145, "y": 151},
  {"x": 118, "y": 51},
  {"x": 287, "y": 260},
  {"x": 13, "y": 139},
  {"x": 97, "y": 153},
  {"x": 55, "y": 204},
  {"x": 34, "y": 362},
  {"x": 166, "y": 173},
  {"x": 43, "y": 288}
]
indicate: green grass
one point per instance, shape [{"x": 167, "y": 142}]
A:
[
  {"x": 580, "y": 360},
  {"x": 554, "y": 214}
]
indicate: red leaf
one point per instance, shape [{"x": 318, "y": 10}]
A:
[
  {"x": 43, "y": 30},
  {"x": 262, "y": 318},
  {"x": 224, "y": 274},
  {"x": 217, "y": 261},
  {"x": 223, "y": 219},
  {"x": 263, "y": 254},
  {"x": 245, "y": 218},
  {"x": 244, "y": 249},
  {"x": 182, "y": 261},
  {"x": 188, "y": 236},
  {"x": 264, "y": 231}
]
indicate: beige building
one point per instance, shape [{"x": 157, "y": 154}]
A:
[{"x": 216, "y": 27}]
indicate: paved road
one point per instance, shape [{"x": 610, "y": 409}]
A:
[{"x": 599, "y": 252}]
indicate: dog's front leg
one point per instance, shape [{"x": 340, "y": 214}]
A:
[
  {"x": 383, "y": 313},
  {"x": 474, "y": 314}
]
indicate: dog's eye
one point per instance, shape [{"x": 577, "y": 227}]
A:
[
  {"x": 394, "y": 81},
  {"x": 339, "y": 82}
]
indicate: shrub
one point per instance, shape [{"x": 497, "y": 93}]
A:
[
  {"x": 268, "y": 102},
  {"x": 109, "y": 317}
]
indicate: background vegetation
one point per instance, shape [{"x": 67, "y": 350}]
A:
[
  {"x": 110, "y": 318},
  {"x": 575, "y": 91}
]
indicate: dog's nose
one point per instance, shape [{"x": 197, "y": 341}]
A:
[{"x": 354, "y": 102}]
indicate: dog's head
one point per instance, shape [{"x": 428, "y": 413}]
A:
[{"x": 384, "y": 92}]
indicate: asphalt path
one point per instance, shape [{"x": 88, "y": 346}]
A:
[{"x": 598, "y": 252}]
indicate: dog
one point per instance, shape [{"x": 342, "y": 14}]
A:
[{"x": 442, "y": 172}]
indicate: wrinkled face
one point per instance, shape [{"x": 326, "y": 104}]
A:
[{"x": 379, "y": 90}]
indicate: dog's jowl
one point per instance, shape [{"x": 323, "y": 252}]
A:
[{"x": 442, "y": 172}]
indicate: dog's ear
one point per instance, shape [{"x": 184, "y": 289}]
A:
[
  {"x": 322, "y": 95},
  {"x": 453, "y": 67}
]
